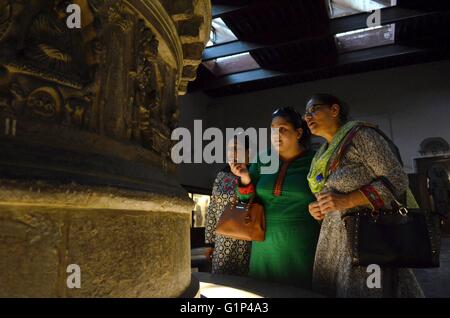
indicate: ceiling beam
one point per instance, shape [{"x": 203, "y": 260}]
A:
[
  {"x": 367, "y": 55},
  {"x": 338, "y": 25},
  {"x": 388, "y": 15},
  {"x": 219, "y": 10},
  {"x": 230, "y": 48}
]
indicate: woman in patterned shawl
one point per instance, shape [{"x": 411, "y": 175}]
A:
[
  {"x": 229, "y": 256},
  {"x": 348, "y": 184}
]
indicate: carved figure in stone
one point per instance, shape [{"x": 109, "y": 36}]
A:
[
  {"x": 19, "y": 97},
  {"x": 76, "y": 111},
  {"x": 14, "y": 100},
  {"x": 44, "y": 102},
  {"x": 5, "y": 17}
]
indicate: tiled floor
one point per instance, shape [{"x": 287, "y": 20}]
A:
[{"x": 435, "y": 282}]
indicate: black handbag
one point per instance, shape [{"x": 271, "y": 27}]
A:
[{"x": 397, "y": 237}]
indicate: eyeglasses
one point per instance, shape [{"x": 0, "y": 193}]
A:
[{"x": 312, "y": 110}]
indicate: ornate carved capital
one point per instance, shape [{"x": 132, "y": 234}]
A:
[{"x": 118, "y": 76}]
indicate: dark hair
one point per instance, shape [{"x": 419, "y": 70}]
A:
[
  {"x": 330, "y": 100},
  {"x": 246, "y": 140},
  {"x": 293, "y": 117}
]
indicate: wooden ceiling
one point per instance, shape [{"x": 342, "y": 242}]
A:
[{"x": 293, "y": 41}]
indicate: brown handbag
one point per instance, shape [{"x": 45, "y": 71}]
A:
[{"x": 243, "y": 221}]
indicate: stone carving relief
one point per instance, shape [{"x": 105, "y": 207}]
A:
[
  {"x": 13, "y": 100},
  {"x": 5, "y": 17},
  {"x": 52, "y": 51},
  {"x": 146, "y": 95},
  {"x": 155, "y": 113},
  {"x": 53, "y": 73},
  {"x": 77, "y": 111},
  {"x": 47, "y": 104},
  {"x": 44, "y": 102}
]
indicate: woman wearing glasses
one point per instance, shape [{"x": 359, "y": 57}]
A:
[
  {"x": 287, "y": 253},
  {"x": 350, "y": 183}
]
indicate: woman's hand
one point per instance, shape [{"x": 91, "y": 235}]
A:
[
  {"x": 330, "y": 202},
  {"x": 240, "y": 170},
  {"x": 314, "y": 210}
]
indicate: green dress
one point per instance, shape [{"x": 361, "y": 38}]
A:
[{"x": 287, "y": 253}]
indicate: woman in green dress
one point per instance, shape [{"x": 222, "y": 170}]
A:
[{"x": 287, "y": 253}]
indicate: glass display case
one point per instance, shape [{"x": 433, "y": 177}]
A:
[{"x": 201, "y": 201}]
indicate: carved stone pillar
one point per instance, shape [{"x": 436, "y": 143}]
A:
[{"x": 85, "y": 121}]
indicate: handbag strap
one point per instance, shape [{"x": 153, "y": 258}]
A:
[
  {"x": 400, "y": 200},
  {"x": 249, "y": 203},
  {"x": 347, "y": 141}
]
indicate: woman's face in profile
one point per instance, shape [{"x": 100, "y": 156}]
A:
[
  {"x": 318, "y": 116},
  {"x": 236, "y": 152},
  {"x": 284, "y": 136}
]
